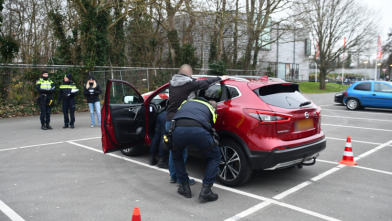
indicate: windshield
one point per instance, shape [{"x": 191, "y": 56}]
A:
[{"x": 283, "y": 95}]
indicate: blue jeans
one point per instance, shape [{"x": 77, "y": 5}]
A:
[
  {"x": 97, "y": 107},
  {"x": 172, "y": 169},
  {"x": 202, "y": 140}
]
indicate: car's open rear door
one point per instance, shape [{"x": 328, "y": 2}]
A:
[{"x": 123, "y": 116}]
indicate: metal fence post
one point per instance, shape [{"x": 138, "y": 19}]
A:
[{"x": 148, "y": 81}]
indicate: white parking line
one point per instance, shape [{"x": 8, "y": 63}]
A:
[
  {"x": 38, "y": 145},
  {"x": 364, "y": 128},
  {"x": 356, "y": 166},
  {"x": 249, "y": 211},
  {"x": 292, "y": 190},
  {"x": 306, "y": 211},
  {"x": 9, "y": 212},
  {"x": 355, "y": 118},
  {"x": 373, "y": 150},
  {"x": 218, "y": 186},
  {"x": 91, "y": 138},
  {"x": 353, "y": 141},
  {"x": 326, "y": 173},
  {"x": 351, "y": 112}
]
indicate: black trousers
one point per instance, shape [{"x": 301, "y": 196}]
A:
[
  {"x": 45, "y": 110},
  {"x": 69, "y": 104}
]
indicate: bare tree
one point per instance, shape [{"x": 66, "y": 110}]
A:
[{"x": 330, "y": 21}]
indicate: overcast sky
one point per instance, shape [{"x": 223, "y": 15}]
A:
[{"x": 385, "y": 8}]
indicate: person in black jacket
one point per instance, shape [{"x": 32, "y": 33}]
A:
[
  {"x": 92, "y": 90},
  {"x": 67, "y": 94},
  {"x": 45, "y": 88},
  {"x": 184, "y": 87}
]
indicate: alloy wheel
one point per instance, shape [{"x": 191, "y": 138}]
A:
[
  {"x": 230, "y": 164},
  {"x": 352, "y": 104}
]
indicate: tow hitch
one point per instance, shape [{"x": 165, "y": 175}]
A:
[{"x": 308, "y": 159}]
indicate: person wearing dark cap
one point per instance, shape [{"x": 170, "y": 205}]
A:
[
  {"x": 92, "y": 90},
  {"x": 67, "y": 93},
  {"x": 46, "y": 88}
]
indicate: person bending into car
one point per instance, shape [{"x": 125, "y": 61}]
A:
[
  {"x": 157, "y": 141},
  {"x": 193, "y": 126},
  {"x": 183, "y": 87},
  {"x": 67, "y": 94}
]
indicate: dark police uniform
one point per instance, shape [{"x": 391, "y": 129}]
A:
[
  {"x": 194, "y": 121},
  {"x": 46, "y": 90},
  {"x": 68, "y": 102}
]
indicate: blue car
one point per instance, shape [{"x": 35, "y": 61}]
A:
[{"x": 368, "y": 94}]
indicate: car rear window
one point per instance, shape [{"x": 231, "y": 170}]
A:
[
  {"x": 366, "y": 86},
  {"x": 283, "y": 95}
]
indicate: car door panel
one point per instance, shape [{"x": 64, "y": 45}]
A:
[
  {"x": 382, "y": 95},
  {"x": 128, "y": 123},
  {"x": 123, "y": 116}
]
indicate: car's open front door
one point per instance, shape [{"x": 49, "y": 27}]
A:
[{"x": 123, "y": 116}]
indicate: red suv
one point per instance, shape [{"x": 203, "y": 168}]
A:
[{"x": 264, "y": 124}]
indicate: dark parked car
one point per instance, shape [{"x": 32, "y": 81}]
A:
[
  {"x": 339, "y": 97},
  {"x": 264, "y": 124},
  {"x": 369, "y": 94}
]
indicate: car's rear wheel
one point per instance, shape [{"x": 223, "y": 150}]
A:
[
  {"x": 132, "y": 151},
  {"x": 353, "y": 104},
  {"x": 234, "y": 168}
]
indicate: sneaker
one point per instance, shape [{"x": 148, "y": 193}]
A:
[
  {"x": 173, "y": 180},
  {"x": 191, "y": 182},
  {"x": 72, "y": 126},
  {"x": 92, "y": 126}
]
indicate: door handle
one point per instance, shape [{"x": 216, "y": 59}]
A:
[{"x": 374, "y": 94}]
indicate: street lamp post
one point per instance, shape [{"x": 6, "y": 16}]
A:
[
  {"x": 375, "y": 78},
  {"x": 366, "y": 62}
]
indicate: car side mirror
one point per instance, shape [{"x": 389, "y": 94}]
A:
[{"x": 128, "y": 99}]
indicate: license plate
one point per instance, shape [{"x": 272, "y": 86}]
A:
[{"x": 303, "y": 125}]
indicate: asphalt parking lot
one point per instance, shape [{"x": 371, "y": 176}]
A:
[{"x": 63, "y": 175}]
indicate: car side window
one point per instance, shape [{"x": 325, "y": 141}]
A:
[
  {"x": 162, "y": 95},
  {"x": 383, "y": 88},
  {"x": 121, "y": 93},
  {"x": 365, "y": 86},
  {"x": 214, "y": 92},
  {"x": 233, "y": 92}
]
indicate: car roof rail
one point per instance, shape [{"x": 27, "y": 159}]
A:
[{"x": 235, "y": 78}]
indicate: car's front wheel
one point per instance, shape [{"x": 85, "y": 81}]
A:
[
  {"x": 234, "y": 168},
  {"x": 353, "y": 104}
]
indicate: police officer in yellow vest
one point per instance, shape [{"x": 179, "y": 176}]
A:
[
  {"x": 46, "y": 89},
  {"x": 193, "y": 126},
  {"x": 67, "y": 93}
]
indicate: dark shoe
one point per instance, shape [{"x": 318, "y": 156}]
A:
[
  {"x": 65, "y": 126},
  {"x": 173, "y": 179},
  {"x": 72, "y": 126},
  {"x": 162, "y": 163},
  {"x": 191, "y": 182},
  {"x": 48, "y": 126},
  {"x": 43, "y": 127},
  {"x": 153, "y": 161},
  {"x": 185, "y": 190},
  {"x": 206, "y": 195}
]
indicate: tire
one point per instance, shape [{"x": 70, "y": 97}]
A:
[
  {"x": 132, "y": 151},
  {"x": 353, "y": 104},
  {"x": 238, "y": 170}
]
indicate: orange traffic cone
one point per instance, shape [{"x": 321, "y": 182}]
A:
[
  {"x": 348, "y": 156},
  {"x": 136, "y": 215}
]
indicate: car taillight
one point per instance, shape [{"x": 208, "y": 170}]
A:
[
  {"x": 268, "y": 117},
  {"x": 345, "y": 93}
]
